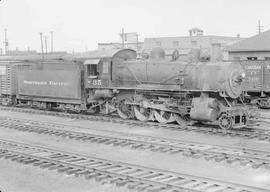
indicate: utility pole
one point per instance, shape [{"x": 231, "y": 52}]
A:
[
  {"x": 260, "y": 28},
  {"x": 46, "y": 50},
  {"x": 123, "y": 42},
  {"x": 137, "y": 45},
  {"x": 6, "y": 42},
  {"x": 41, "y": 41},
  {"x": 51, "y": 41}
]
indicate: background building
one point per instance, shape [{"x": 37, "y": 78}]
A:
[
  {"x": 195, "y": 40},
  {"x": 254, "y": 48},
  {"x": 21, "y": 52}
]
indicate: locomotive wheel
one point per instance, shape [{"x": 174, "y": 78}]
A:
[
  {"x": 164, "y": 116},
  {"x": 125, "y": 111},
  {"x": 180, "y": 120},
  {"x": 225, "y": 122},
  {"x": 142, "y": 114}
]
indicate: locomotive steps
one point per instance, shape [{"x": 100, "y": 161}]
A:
[
  {"x": 256, "y": 133},
  {"x": 244, "y": 157},
  {"x": 121, "y": 174}
]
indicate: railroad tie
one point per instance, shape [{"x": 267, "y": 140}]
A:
[
  {"x": 30, "y": 161},
  {"x": 46, "y": 165},
  {"x": 11, "y": 156},
  {"x": 220, "y": 158},
  {"x": 71, "y": 171},
  {"x": 121, "y": 182},
  {"x": 21, "y": 160},
  {"x": 142, "y": 187},
  {"x": 64, "y": 169},
  {"x": 56, "y": 166},
  {"x": 38, "y": 163},
  {"x": 102, "y": 177},
  {"x": 91, "y": 175},
  {"x": 81, "y": 172},
  {"x": 133, "y": 184},
  {"x": 156, "y": 188}
]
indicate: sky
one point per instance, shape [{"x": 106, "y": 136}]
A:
[{"x": 79, "y": 25}]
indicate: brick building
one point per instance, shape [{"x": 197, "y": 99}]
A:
[{"x": 195, "y": 40}]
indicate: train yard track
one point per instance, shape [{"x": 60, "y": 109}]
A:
[
  {"x": 255, "y": 133},
  {"x": 121, "y": 174},
  {"x": 242, "y": 156}
]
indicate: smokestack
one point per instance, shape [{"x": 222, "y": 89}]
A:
[{"x": 216, "y": 54}]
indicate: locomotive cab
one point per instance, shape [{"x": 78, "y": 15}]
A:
[
  {"x": 100, "y": 68},
  {"x": 97, "y": 72}
]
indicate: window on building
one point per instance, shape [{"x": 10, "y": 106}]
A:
[
  {"x": 252, "y": 58},
  {"x": 267, "y": 58},
  {"x": 158, "y": 43},
  {"x": 194, "y": 43},
  {"x": 175, "y": 43}
]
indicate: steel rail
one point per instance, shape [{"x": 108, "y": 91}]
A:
[
  {"x": 242, "y": 155},
  {"x": 132, "y": 176}
]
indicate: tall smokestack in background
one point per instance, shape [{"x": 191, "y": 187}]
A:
[{"x": 216, "y": 54}]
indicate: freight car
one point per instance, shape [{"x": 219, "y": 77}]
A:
[
  {"x": 153, "y": 89},
  {"x": 9, "y": 81},
  {"x": 257, "y": 82}
]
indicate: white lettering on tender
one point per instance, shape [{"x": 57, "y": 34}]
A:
[
  {"x": 53, "y": 83},
  {"x": 58, "y": 83}
]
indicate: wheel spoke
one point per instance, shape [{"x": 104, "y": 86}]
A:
[
  {"x": 164, "y": 116},
  {"x": 225, "y": 122},
  {"x": 142, "y": 114},
  {"x": 125, "y": 111}
]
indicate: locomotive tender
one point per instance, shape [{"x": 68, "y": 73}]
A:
[{"x": 154, "y": 89}]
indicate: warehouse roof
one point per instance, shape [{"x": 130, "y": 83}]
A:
[{"x": 260, "y": 42}]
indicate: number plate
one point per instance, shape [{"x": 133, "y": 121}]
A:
[{"x": 95, "y": 82}]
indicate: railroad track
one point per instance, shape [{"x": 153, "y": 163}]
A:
[
  {"x": 121, "y": 174},
  {"x": 242, "y": 156},
  {"x": 256, "y": 133}
]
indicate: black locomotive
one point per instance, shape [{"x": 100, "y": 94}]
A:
[{"x": 152, "y": 89}]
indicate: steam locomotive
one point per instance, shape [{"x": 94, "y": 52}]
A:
[{"x": 154, "y": 89}]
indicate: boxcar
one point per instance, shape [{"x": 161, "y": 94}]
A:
[
  {"x": 8, "y": 80},
  {"x": 257, "y": 83}
]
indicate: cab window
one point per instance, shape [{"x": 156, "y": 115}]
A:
[
  {"x": 92, "y": 70},
  {"x": 92, "y": 67}
]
